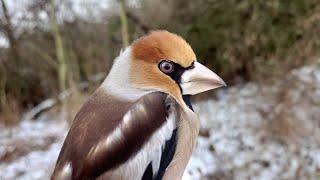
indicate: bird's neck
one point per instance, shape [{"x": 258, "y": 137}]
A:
[{"x": 118, "y": 83}]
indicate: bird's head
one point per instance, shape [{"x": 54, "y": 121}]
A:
[{"x": 165, "y": 62}]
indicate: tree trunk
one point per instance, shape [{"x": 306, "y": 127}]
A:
[
  {"x": 8, "y": 30},
  {"x": 124, "y": 24},
  {"x": 3, "y": 80},
  {"x": 62, "y": 65},
  {"x": 13, "y": 53}
]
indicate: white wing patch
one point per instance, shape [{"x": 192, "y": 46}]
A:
[
  {"x": 65, "y": 173},
  {"x": 150, "y": 152},
  {"x": 162, "y": 135},
  {"x": 127, "y": 118},
  {"x": 156, "y": 160},
  {"x": 115, "y": 135}
]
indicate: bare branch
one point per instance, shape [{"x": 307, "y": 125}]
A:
[{"x": 145, "y": 28}]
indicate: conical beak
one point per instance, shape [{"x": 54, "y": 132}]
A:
[{"x": 199, "y": 79}]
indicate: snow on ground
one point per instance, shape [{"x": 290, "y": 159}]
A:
[
  {"x": 261, "y": 132},
  {"x": 30, "y": 149},
  {"x": 266, "y": 131}
]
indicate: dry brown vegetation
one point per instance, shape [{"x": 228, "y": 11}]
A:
[{"x": 241, "y": 40}]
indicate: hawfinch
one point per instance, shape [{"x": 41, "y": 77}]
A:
[{"x": 139, "y": 124}]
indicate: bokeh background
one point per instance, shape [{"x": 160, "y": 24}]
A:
[{"x": 264, "y": 125}]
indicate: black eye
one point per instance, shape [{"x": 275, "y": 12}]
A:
[{"x": 166, "y": 67}]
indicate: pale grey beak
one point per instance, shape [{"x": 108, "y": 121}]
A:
[{"x": 199, "y": 79}]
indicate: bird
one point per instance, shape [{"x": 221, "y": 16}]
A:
[{"x": 139, "y": 124}]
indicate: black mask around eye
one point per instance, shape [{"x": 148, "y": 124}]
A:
[{"x": 172, "y": 69}]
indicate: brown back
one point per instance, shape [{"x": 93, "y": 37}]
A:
[
  {"x": 95, "y": 120},
  {"x": 98, "y": 117}
]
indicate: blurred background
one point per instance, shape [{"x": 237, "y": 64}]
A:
[{"x": 264, "y": 125}]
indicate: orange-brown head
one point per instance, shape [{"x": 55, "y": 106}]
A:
[
  {"x": 163, "y": 61},
  {"x": 163, "y": 45}
]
